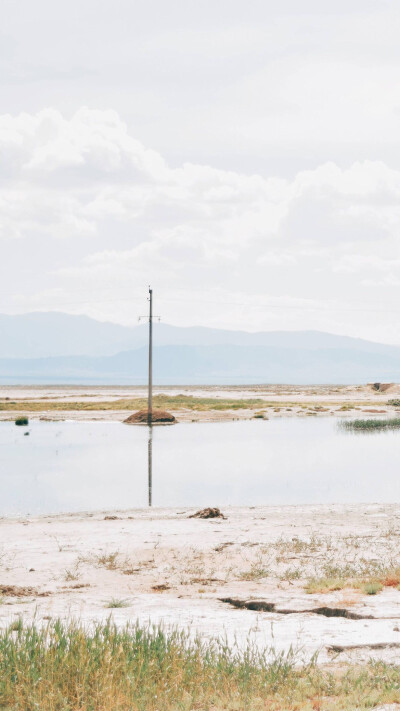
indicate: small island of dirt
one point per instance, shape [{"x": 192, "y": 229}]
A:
[{"x": 157, "y": 417}]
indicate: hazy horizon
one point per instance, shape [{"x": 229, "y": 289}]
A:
[{"x": 142, "y": 324}]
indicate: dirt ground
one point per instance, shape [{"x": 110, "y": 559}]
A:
[
  {"x": 282, "y": 401},
  {"x": 242, "y": 577}
]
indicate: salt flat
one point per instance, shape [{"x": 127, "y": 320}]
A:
[{"x": 161, "y": 565}]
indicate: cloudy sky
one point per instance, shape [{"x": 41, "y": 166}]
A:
[{"x": 242, "y": 156}]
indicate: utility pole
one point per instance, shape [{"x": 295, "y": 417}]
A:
[{"x": 150, "y": 395}]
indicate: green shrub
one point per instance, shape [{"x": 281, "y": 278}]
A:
[{"x": 22, "y": 421}]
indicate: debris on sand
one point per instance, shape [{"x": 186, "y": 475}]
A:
[
  {"x": 111, "y": 518},
  {"x": 157, "y": 417},
  {"x": 208, "y": 513},
  {"x": 17, "y": 591}
]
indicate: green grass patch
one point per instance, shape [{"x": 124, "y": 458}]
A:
[
  {"x": 391, "y": 423},
  {"x": 72, "y": 668},
  {"x": 326, "y": 584},
  {"x": 162, "y": 402}
]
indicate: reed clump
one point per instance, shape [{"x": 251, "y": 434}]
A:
[
  {"x": 66, "y": 667},
  {"x": 391, "y": 423}
]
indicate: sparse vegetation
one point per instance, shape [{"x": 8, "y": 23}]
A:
[
  {"x": 63, "y": 667},
  {"x": 162, "y": 402},
  {"x": 72, "y": 574},
  {"x": 385, "y": 424},
  {"x": 291, "y": 574},
  {"x": 107, "y": 560},
  {"x": 395, "y": 402},
  {"x": 257, "y": 571},
  {"x": 368, "y": 577}
]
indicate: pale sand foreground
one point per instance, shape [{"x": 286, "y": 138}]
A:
[{"x": 168, "y": 567}]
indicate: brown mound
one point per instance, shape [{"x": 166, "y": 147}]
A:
[
  {"x": 208, "y": 513},
  {"x": 142, "y": 417},
  {"x": 376, "y": 412},
  {"x": 381, "y": 387}
]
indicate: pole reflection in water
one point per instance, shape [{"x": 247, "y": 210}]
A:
[{"x": 150, "y": 465}]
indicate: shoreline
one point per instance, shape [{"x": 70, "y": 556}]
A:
[
  {"x": 295, "y": 575},
  {"x": 196, "y": 403}
]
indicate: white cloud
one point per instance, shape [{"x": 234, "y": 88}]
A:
[
  {"x": 270, "y": 88},
  {"x": 90, "y": 216}
]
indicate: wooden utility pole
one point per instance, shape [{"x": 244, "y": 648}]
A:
[{"x": 150, "y": 395}]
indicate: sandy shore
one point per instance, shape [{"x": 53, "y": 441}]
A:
[
  {"x": 275, "y": 401},
  {"x": 162, "y": 565}
]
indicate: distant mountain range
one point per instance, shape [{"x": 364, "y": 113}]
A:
[{"x": 61, "y": 348}]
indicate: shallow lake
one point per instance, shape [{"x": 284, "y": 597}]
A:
[{"x": 73, "y": 466}]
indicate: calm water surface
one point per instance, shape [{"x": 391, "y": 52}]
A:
[{"x": 73, "y": 466}]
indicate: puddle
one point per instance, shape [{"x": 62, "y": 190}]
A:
[{"x": 74, "y": 466}]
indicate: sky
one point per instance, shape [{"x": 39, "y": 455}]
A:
[{"x": 241, "y": 156}]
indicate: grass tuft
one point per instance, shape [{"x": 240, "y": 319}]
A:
[
  {"x": 117, "y": 602},
  {"x": 107, "y": 560},
  {"x": 372, "y": 588}
]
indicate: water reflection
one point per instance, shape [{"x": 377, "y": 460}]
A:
[
  {"x": 150, "y": 466},
  {"x": 94, "y": 466}
]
